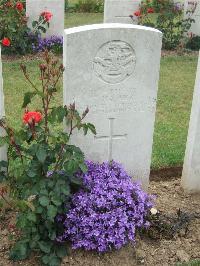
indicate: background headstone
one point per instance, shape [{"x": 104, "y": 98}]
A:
[
  {"x": 119, "y": 11},
  {"x": 115, "y": 74},
  {"x": 35, "y": 7},
  {"x": 195, "y": 27},
  {"x": 3, "y": 154},
  {"x": 191, "y": 168}
]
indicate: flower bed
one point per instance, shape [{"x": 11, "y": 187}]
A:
[
  {"x": 107, "y": 212},
  {"x": 53, "y": 43},
  {"x": 15, "y": 36},
  {"x": 168, "y": 17}
]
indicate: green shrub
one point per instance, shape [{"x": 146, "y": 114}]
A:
[
  {"x": 168, "y": 18},
  {"x": 42, "y": 166},
  {"x": 193, "y": 43},
  {"x": 15, "y": 36},
  {"x": 90, "y": 6},
  {"x": 13, "y": 26}
]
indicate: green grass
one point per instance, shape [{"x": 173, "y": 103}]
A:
[
  {"x": 77, "y": 19},
  {"x": 176, "y": 85},
  {"x": 15, "y": 86},
  {"x": 192, "y": 263}
]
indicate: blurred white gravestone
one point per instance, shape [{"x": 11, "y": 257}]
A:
[
  {"x": 190, "y": 5},
  {"x": 191, "y": 167},
  {"x": 115, "y": 74},
  {"x": 35, "y": 7},
  {"x": 119, "y": 11},
  {"x": 3, "y": 153}
]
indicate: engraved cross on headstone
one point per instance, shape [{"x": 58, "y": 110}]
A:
[{"x": 110, "y": 138}]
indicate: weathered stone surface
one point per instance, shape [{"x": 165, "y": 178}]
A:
[
  {"x": 119, "y": 11},
  {"x": 2, "y": 110},
  {"x": 189, "y": 5},
  {"x": 35, "y": 7},
  {"x": 114, "y": 70},
  {"x": 191, "y": 168}
]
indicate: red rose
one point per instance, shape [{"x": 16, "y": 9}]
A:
[
  {"x": 150, "y": 10},
  {"x": 19, "y": 6},
  {"x": 5, "y": 42},
  {"x": 30, "y": 116},
  {"x": 138, "y": 13},
  {"x": 47, "y": 15}
]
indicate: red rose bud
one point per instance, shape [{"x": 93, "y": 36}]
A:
[
  {"x": 72, "y": 106},
  {"x": 61, "y": 67},
  {"x": 55, "y": 62},
  {"x": 150, "y": 10},
  {"x": 43, "y": 67},
  {"x": 19, "y": 6},
  {"x": 85, "y": 112},
  {"x": 8, "y": 4},
  {"x": 11, "y": 227},
  {"x": 5, "y": 42},
  {"x": 138, "y": 13},
  {"x": 12, "y": 140},
  {"x": 23, "y": 68},
  {"x": 3, "y": 191}
]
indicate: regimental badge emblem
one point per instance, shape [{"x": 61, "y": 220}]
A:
[{"x": 114, "y": 62}]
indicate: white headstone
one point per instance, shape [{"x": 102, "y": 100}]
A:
[
  {"x": 35, "y": 7},
  {"x": 189, "y": 5},
  {"x": 191, "y": 168},
  {"x": 114, "y": 70},
  {"x": 119, "y": 11},
  {"x": 2, "y": 111}
]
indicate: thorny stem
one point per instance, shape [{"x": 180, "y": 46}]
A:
[
  {"x": 10, "y": 133},
  {"x": 63, "y": 145},
  {"x": 6, "y": 201},
  {"x": 59, "y": 158},
  {"x": 28, "y": 79}
]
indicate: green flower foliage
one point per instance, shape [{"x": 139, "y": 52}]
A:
[
  {"x": 168, "y": 18},
  {"x": 13, "y": 25},
  {"x": 42, "y": 166}
]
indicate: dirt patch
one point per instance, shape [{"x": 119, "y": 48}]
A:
[
  {"x": 25, "y": 58},
  {"x": 170, "y": 197},
  {"x": 165, "y": 173},
  {"x": 180, "y": 52},
  {"x": 38, "y": 56}
]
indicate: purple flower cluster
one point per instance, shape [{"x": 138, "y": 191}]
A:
[
  {"x": 53, "y": 42},
  {"x": 178, "y": 7},
  {"x": 107, "y": 212}
]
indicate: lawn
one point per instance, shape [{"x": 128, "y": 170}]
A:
[
  {"x": 77, "y": 19},
  {"x": 176, "y": 85},
  {"x": 177, "y": 76}
]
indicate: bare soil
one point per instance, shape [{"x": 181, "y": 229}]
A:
[
  {"x": 38, "y": 56},
  {"x": 149, "y": 252}
]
